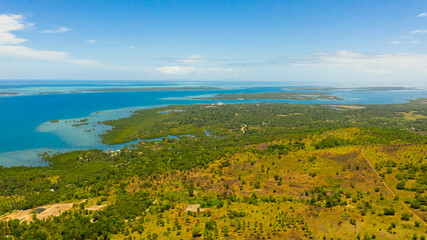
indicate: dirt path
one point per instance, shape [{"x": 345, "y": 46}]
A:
[
  {"x": 243, "y": 128},
  {"x": 389, "y": 189}
]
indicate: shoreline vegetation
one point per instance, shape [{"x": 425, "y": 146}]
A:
[
  {"x": 363, "y": 89},
  {"x": 273, "y": 95},
  {"x": 10, "y": 94},
  {"x": 152, "y": 89},
  {"x": 264, "y": 170},
  {"x": 124, "y": 89}
]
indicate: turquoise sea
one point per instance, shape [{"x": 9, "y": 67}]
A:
[{"x": 25, "y": 119}]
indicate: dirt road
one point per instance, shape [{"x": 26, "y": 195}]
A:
[{"x": 389, "y": 189}]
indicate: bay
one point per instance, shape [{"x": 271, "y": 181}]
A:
[{"x": 25, "y": 121}]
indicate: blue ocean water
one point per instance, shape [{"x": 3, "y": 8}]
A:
[{"x": 25, "y": 127}]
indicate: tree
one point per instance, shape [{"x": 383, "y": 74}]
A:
[
  {"x": 225, "y": 231},
  {"x": 406, "y": 216},
  {"x": 197, "y": 232},
  {"x": 389, "y": 211},
  {"x": 191, "y": 191},
  {"x": 400, "y": 185},
  {"x": 211, "y": 229}
]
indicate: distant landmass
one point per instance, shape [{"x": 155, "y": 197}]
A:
[
  {"x": 9, "y": 94},
  {"x": 361, "y": 89},
  {"x": 127, "y": 89},
  {"x": 273, "y": 95},
  {"x": 151, "y": 89}
]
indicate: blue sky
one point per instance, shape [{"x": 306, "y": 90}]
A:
[{"x": 312, "y": 41}]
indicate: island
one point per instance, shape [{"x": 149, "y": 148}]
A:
[
  {"x": 143, "y": 89},
  {"x": 362, "y": 89},
  {"x": 9, "y": 94},
  {"x": 273, "y": 95}
]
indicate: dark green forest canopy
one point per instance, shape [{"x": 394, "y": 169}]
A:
[{"x": 228, "y": 120}]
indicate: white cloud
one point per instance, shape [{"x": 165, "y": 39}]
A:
[
  {"x": 424, "y": 14},
  {"x": 182, "y": 70},
  {"x": 9, "y": 45},
  {"x": 91, "y": 41},
  {"x": 379, "y": 71},
  {"x": 58, "y": 30},
  {"x": 371, "y": 63},
  {"x": 176, "y": 70},
  {"x": 395, "y": 42},
  {"x": 217, "y": 70},
  {"x": 28, "y": 53},
  {"x": 9, "y": 23},
  {"x": 192, "y": 59},
  {"x": 419, "y": 31}
]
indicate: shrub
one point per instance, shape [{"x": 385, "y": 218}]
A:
[
  {"x": 197, "y": 232},
  {"x": 406, "y": 216},
  {"x": 417, "y": 223},
  {"x": 400, "y": 185},
  {"x": 389, "y": 211},
  {"x": 415, "y": 204}
]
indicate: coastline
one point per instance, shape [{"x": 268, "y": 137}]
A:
[
  {"x": 85, "y": 135},
  {"x": 76, "y": 137}
]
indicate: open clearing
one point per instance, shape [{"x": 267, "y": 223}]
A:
[
  {"x": 96, "y": 207},
  {"x": 50, "y": 210}
]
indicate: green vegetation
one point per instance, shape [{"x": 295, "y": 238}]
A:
[
  {"x": 151, "y": 89},
  {"x": 362, "y": 89},
  {"x": 273, "y": 171},
  {"x": 127, "y": 89},
  {"x": 273, "y": 95},
  {"x": 269, "y": 120},
  {"x": 9, "y": 94}
]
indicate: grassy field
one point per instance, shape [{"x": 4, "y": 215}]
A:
[{"x": 284, "y": 186}]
